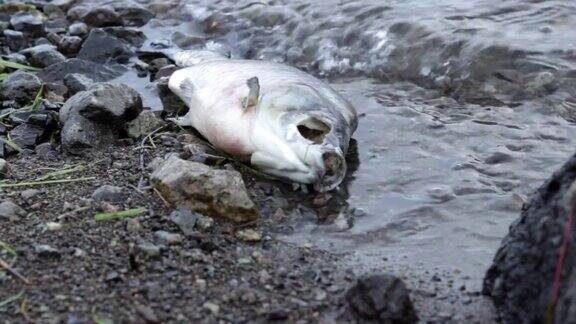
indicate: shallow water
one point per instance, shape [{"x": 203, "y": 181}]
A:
[
  {"x": 437, "y": 176},
  {"x": 464, "y": 104}
]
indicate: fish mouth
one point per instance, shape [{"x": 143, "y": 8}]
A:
[{"x": 333, "y": 173}]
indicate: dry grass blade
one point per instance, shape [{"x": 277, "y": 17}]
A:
[
  {"x": 11, "y": 144},
  {"x": 59, "y": 173},
  {"x": 17, "y": 66},
  {"x": 11, "y": 299},
  {"x": 103, "y": 217},
  {"x": 38, "y": 98},
  {"x": 7, "y": 247},
  {"x": 38, "y": 183},
  {"x": 5, "y": 265}
]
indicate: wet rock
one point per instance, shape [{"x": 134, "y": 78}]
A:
[
  {"x": 9, "y": 211},
  {"x": 46, "y": 251},
  {"x": 104, "y": 103},
  {"x": 185, "y": 219},
  {"x": 144, "y": 124},
  {"x": 380, "y": 299},
  {"x": 131, "y": 36},
  {"x": 172, "y": 105},
  {"x": 519, "y": 280},
  {"x": 96, "y": 71},
  {"x": 109, "y": 193},
  {"x": 29, "y": 22},
  {"x": 26, "y": 135},
  {"x": 79, "y": 29},
  {"x": 219, "y": 193},
  {"x": 133, "y": 14},
  {"x": 15, "y": 39},
  {"x": 102, "y": 47},
  {"x": 21, "y": 87},
  {"x": 102, "y": 16},
  {"x": 249, "y": 235},
  {"x": 43, "y": 55},
  {"x": 70, "y": 44},
  {"x": 77, "y": 82},
  {"x": 169, "y": 238}
]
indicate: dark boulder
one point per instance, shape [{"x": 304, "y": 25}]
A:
[
  {"x": 21, "y": 87},
  {"x": 96, "y": 71},
  {"x": 521, "y": 277},
  {"x": 79, "y": 133},
  {"x": 103, "y": 47},
  {"x": 26, "y": 135},
  {"x": 379, "y": 298}
]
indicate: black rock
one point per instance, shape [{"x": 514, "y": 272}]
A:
[
  {"x": 28, "y": 22},
  {"x": 15, "y": 39},
  {"x": 520, "y": 278},
  {"x": 102, "y": 47},
  {"x": 70, "y": 44},
  {"x": 129, "y": 35},
  {"x": 43, "y": 55},
  {"x": 96, "y": 71},
  {"x": 77, "y": 82},
  {"x": 380, "y": 299},
  {"x": 79, "y": 133},
  {"x": 102, "y": 17},
  {"x": 21, "y": 87},
  {"x": 26, "y": 135},
  {"x": 104, "y": 103},
  {"x": 79, "y": 29}
]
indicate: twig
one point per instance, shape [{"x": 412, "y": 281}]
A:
[
  {"x": 11, "y": 299},
  {"x": 13, "y": 271},
  {"x": 161, "y": 197},
  {"x": 120, "y": 215},
  {"x": 61, "y": 172},
  {"x": 23, "y": 309},
  {"x": 142, "y": 166},
  {"x": 37, "y": 183}
]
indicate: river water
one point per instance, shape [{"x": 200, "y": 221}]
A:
[{"x": 466, "y": 106}]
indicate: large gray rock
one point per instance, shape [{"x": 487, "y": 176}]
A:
[
  {"x": 9, "y": 211},
  {"x": 77, "y": 82},
  {"x": 95, "y": 71},
  {"x": 379, "y": 298},
  {"x": 93, "y": 118},
  {"x": 27, "y": 135},
  {"x": 79, "y": 133},
  {"x": 521, "y": 276},
  {"x": 21, "y": 87},
  {"x": 218, "y": 193},
  {"x": 104, "y": 103},
  {"x": 102, "y": 47},
  {"x": 43, "y": 55}
]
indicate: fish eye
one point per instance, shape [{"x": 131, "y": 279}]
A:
[{"x": 313, "y": 129}]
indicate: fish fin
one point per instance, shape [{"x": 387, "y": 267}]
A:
[
  {"x": 187, "y": 89},
  {"x": 253, "y": 94},
  {"x": 182, "y": 121}
]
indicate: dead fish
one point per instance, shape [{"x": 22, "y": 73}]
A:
[{"x": 281, "y": 120}]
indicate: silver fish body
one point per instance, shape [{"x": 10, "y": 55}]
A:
[{"x": 285, "y": 122}]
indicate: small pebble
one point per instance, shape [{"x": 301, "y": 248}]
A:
[
  {"x": 249, "y": 235},
  {"x": 214, "y": 308},
  {"x": 53, "y": 226}
]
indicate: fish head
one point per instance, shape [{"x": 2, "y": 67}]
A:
[{"x": 300, "y": 135}]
